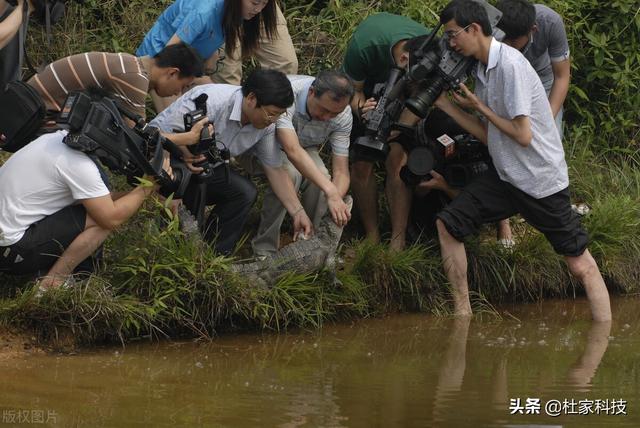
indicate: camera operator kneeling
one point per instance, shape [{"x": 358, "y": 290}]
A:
[
  {"x": 56, "y": 211},
  {"x": 442, "y": 158}
]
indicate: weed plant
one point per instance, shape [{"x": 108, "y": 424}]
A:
[{"x": 155, "y": 283}]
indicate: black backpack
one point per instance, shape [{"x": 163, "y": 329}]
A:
[{"x": 21, "y": 114}]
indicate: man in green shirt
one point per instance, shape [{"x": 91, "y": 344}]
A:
[{"x": 378, "y": 44}]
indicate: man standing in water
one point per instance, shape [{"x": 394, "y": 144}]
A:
[{"x": 530, "y": 175}]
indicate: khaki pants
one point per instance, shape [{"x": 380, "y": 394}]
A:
[
  {"x": 267, "y": 239},
  {"x": 277, "y": 54}
]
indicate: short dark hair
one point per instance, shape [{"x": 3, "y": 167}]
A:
[
  {"x": 518, "y": 17},
  {"x": 465, "y": 13},
  {"x": 183, "y": 57},
  {"x": 271, "y": 87},
  {"x": 336, "y": 83},
  {"x": 415, "y": 43}
]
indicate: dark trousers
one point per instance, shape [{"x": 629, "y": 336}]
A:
[
  {"x": 232, "y": 202},
  {"x": 45, "y": 241}
]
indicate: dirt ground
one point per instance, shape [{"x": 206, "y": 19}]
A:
[{"x": 16, "y": 345}]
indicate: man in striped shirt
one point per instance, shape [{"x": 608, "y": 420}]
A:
[{"x": 124, "y": 77}]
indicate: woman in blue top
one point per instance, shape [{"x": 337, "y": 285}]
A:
[{"x": 206, "y": 24}]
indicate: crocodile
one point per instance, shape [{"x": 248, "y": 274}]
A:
[
  {"x": 301, "y": 256},
  {"x": 189, "y": 226}
]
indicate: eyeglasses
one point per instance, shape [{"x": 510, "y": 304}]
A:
[
  {"x": 270, "y": 117},
  {"x": 450, "y": 35}
]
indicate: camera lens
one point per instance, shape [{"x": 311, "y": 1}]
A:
[
  {"x": 422, "y": 102},
  {"x": 421, "y": 161}
]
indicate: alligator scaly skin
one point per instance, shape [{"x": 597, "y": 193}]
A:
[{"x": 302, "y": 256}]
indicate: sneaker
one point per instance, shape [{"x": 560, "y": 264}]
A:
[
  {"x": 507, "y": 244},
  {"x": 67, "y": 284},
  {"x": 581, "y": 209}
]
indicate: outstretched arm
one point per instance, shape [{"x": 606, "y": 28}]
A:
[
  {"x": 518, "y": 128},
  {"x": 302, "y": 161},
  {"x": 109, "y": 213},
  {"x": 341, "y": 177},
  {"x": 283, "y": 188}
]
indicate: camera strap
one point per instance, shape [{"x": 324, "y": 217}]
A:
[{"x": 48, "y": 14}]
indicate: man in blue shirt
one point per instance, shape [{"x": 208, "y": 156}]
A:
[{"x": 198, "y": 24}]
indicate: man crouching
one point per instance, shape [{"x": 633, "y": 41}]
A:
[{"x": 56, "y": 211}]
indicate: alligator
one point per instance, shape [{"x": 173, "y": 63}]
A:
[
  {"x": 189, "y": 226},
  {"x": 301, "y": 256}
]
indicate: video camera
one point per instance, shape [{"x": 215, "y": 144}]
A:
[
  {"x": 447, "y": 149},
  {"x": 214, "y": 156},
  {"x": 98, "y": 129},
  {"x": 433, "y": 68},
  {"x": 445, "y": 71}
]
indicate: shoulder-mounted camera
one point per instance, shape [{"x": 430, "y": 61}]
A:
[
  {"x": 433, "y": 67},
  {"x": 96, "y": 127}
]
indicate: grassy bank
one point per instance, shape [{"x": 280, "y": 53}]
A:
[{"x": 156, "y": 284}]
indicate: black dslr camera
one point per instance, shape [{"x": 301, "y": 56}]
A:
[
  {"x": 206, "y": 146},
  {"x": 433, "y": 68},
  {"x": 96, "y": 128}
]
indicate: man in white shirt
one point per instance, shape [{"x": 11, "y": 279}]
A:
[
  {"x": 530, "y": 175},
  {"x": 244, "y": 122},
  {"x": 55, "y": 210}
]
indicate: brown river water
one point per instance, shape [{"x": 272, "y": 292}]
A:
[{"x": 540, "y": 365}]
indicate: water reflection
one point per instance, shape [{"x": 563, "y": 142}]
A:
[
  {"x": 451, "y": 373},
  {"x": 400, "y": 371},
  {"x": 451, "y": 370},
  {"x": 584, "y": 369}
]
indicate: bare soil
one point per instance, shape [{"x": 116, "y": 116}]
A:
[{"x": 14, "y": 344}]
